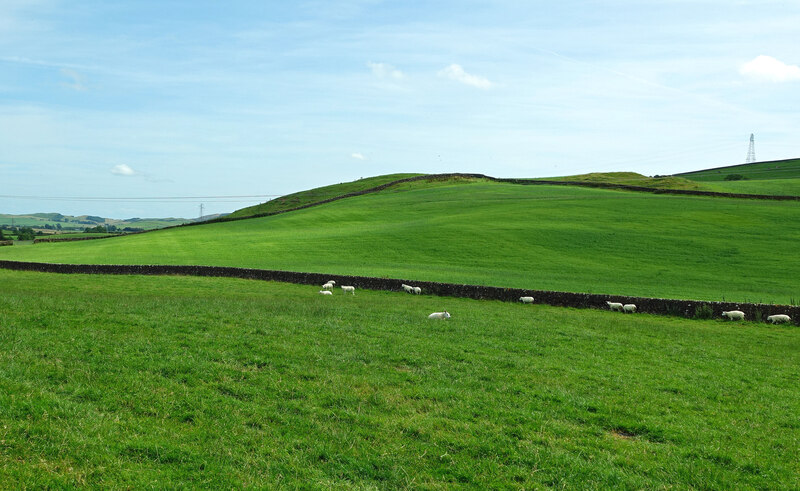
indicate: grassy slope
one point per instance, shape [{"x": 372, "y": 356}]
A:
[
  {"x": 779, "y": 169},
  {"x": 171, "y": 382},
  {"x": 542, "y": 237},
  {"x": 315, "y": 195},
  {"x": 780, "y": 177},
  {"x": 786, "y": 186},
  {"x": 763, "y": 181},
  {"x": 632, "y": 179}
]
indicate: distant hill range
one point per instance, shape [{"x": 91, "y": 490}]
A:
[{"x": 56, "y": 222}]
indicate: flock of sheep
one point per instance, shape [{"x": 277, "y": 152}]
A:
[
  {"x": 739, "y": 315},
  {"x": 327, "y": 289}
]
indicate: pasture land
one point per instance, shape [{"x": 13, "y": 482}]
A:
[
  {"x": 785, "y": 187},
  {"x": 131, "y": 382},
  {"x": 776, "y": 169},
  {"x": 538, "y": 237},
  {"x": 79, "y": 223},
  {"x": 315, "y": 195},
  {"x": 632, "y": 179}
]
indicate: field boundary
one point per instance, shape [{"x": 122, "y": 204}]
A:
[
  {"x": 442, "y": 177},
  {"x": 523, "y": 182},
  {"x": 658, "y": 306}
]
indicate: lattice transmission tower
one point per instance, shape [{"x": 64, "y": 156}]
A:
[{"x": 751, "y": 152}]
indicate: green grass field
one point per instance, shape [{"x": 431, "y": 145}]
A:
[
  {"x": 777, "y": 169},
  {"x": 538, "y": 237},
  {"x": 632, "y": 179},
  {"x": 785, "y": 186},
  {"x": 144, "y": 382},
  {"x": 317, "y": 194}
]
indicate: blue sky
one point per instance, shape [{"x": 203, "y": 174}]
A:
[{"x": 142, "y": 99}]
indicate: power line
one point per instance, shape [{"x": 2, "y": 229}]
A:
[{"x": 147, "y": 198}]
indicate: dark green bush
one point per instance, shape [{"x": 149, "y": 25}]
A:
[{"x": 703, "y": 311}]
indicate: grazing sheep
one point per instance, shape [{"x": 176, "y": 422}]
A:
[
  {"x": 331, "y": 282},
  {"x": 775, "y": 319},
  {"x": 439, "y": 315},
  {"x": 325, "y": 292},
  {"x": 417, "y": 290},
  {"x": 351, "y": 289},
  {"x": 526, "y": 299},
  {"x": 614, "y": 306},
  {"x": 408, "y": 288},
  {"x": 629, "y": 307},
  {"x": 734, "y": 315},
  {"x": 327, "y": 286}
]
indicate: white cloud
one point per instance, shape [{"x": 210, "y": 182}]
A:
[
  {"x": 384, "y": 70},
  {"x": 769, "y": 69},
  {"x": 457, "y": 73},
  {"x": 358, "y": 156},
  {"x": 123, "y": 170}
]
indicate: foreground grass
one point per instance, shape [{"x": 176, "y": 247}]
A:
[
  {"x": 165, "y": 382},
  {"x": 539, "y": 237}
]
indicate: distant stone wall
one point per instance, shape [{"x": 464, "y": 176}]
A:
[
  {"x": 6, "y": 242},
  {"x": 659, "y": 306},
  {"x": 524, "y": 182},
  {"x": 69, "y": 239}
]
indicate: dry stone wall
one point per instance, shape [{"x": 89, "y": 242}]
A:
[{"x": 659, "y": 306}]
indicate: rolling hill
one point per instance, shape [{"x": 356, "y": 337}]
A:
[
  {"x": 541, "y": 237},
  {"x": 779, "y": 177}
]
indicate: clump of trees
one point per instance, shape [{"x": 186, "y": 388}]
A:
[{"x": 24, "y": 233}]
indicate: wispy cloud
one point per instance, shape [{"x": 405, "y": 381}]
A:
[
  {"x": 769, "y": 69},
  {"x": 456, "y": 72},
  {"x": 122, "y": 170},
  {"x": 384, "y": 70},
  {"x": 358, "y": 156},
  {"x": 76, "y": 80}
]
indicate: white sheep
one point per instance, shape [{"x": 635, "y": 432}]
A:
[
  {"x": 439, "y": 315},
  {"x": 331, "y": 282},
  {"x": 629, "y": 307},
  {"x": 417, "y": 290},
  {"x": 526, "y": 299},
  {"x": 734, "y": 314},
  {"x": 351, "y": 289},
  {"x": 614, "y": 306},
  {"x": 325, "y": 292},
  {"x": 408, "y": 288},
  {"x": 775, "y": 319},
  {"x": 327, "y": 286}
]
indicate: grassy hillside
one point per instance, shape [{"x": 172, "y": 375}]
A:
[
  {"x": 777, "y": 169},
  {"x": 763, "y": 181},
  {"x": 141, "y": 382},
  {"x": 785, "y": 186},
  {"x": 315, "y": 195},
  {"x": 540, "y": 237},
  {"x": 632, "y": 179}
]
